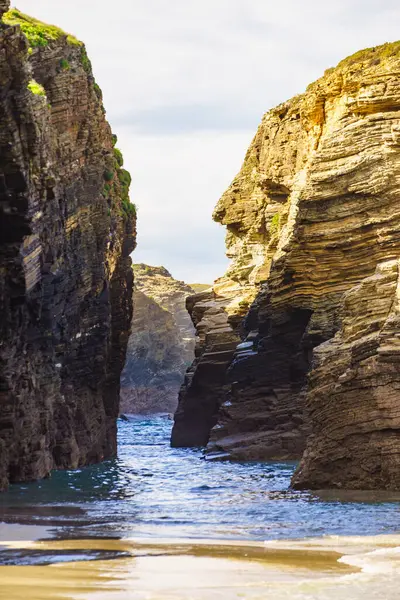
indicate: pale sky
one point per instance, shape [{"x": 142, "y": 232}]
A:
[{"x": 185, "y": 83}]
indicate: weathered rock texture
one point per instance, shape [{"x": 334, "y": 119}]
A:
[
  {"x": 354, "y": 392},
  {"x": 161, "y": 345},
  {"x": 312, "y": 213},
  {"x": 65, "y": 276},
  {"x": 217, "y": 314}
]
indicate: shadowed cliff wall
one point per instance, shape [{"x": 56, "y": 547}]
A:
[{"x": 66, "y": 233}]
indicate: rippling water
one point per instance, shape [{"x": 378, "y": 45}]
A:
[
  {"x": 152, "y": 490},
  {"x": 161, "y": 523}
]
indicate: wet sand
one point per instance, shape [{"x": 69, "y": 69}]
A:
[
  {"x": 325, "y": 568},
  {"x": 13, "y": 532}
]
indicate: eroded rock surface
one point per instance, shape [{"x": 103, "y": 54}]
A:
[
  {"x": 65, "y": 275},
  {"x": 354, "y": 392},
  {"x": 312, "y": 213},
  {"x": 161, "y": 345},
  {"x": 204, "y": 387}
]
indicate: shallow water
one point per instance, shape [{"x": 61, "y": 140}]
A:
[
  {"x": 194, "y": 529},
  {"x": 154, "y": 490}
]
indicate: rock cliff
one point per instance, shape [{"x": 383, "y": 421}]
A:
[
  {"x": 313, "y": 225},
  {"x": 161, "y": 345},
  {"x": 354, "y": 392},
  {"x": 66, "y": 232}
]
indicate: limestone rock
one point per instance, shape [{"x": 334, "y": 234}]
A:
[
  {"x": 65, "y": 276},
  {"x": 312, "y": 212},
  {"x": 161, "y": 345}
]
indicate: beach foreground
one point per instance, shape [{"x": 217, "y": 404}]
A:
[{"x": 108, "y": 569}]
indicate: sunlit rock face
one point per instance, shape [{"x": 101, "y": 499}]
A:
[
  {"x": 312, "y": 213},
  {"x": 65, "y": 274},
  {"x": 161, "y": 345}
]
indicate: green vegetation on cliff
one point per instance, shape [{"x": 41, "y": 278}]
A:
[
  {"x": 372, "y": 55},
  {"x": 36, "y": 32},
  {"x": 85, "y": 60},
  {"x": 118, "y": 157},
  {"x": 125, "y": 180},
  {"x": 275, "y": 223},
  {"x": 36, "y": 88},
  {"x": 110, "y": 175},
  {"x": 64, "y": 64}
]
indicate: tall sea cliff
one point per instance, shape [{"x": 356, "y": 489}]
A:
[
  {"x": 66, "y": 232},
  {"x": 299, "y": 351}
]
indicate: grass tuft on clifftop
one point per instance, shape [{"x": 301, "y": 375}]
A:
[
  {"x": 36, "y": 32},
  {"x": 372, "y": 55}
]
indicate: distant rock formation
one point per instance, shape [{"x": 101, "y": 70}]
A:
[
  {"x": 66, "y": 232},
  {"x": 161, "y": 345},
  {"x": 313, "y": 222}
]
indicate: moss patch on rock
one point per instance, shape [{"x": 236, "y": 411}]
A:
[
  {"x": 64, "y": 64},
  {"x": 36, "y": 88},
  {"x": 118, "y": 181},
  {"x": 125, "y": 180},
  {"x": 36, "y": 32},
  {"x": 275, "y": 223},
  {"x": 119, "y": 159}
]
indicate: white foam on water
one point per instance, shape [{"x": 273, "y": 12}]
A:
[
  {"x": 376, "y": 558},
  {"x": 383, "y": 560},
  {"x": 329, "y": 568}
]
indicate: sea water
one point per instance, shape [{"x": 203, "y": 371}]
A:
[{"x": 159, "y": 522}]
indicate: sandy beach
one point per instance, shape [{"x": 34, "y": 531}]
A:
[{"x": 117, "y": 569}]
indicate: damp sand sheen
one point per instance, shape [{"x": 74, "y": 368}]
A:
[{"x": 327, "y": 568}]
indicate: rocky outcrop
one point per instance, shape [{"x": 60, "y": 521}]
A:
[
  {"x": 217, "y": 314},
  {"x": 354, "y": 392},
  {"x": 161, "y": 345},
  {"x": 312, "y": 213},
  {"x": 204, "y": 386},
  {"x": 66, "y": 232}
]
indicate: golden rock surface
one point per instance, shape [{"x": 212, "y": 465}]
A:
[{"x": 309, "y": 217}]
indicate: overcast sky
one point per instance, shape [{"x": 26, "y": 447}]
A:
[{"x": 185, "y": 83}]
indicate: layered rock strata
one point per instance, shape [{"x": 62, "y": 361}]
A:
[
  {"x": 161, "y": 345},
  {"x": 204, "y": 386},
  {"x": 218, "y": 314},
  {"x": 354, "y": 392},
  {"x": 312, "y": 213},
  {"x": 66, "y": 233}
]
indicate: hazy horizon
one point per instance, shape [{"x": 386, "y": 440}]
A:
[{"x": 185, "y": 86}]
